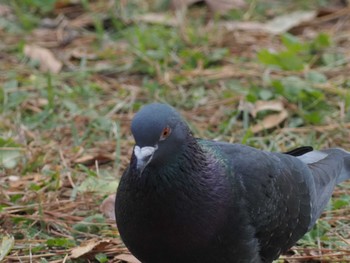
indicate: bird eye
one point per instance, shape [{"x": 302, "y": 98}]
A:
[{"x": 165, "y": 133}]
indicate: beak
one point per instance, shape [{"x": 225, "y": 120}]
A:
[{"x": 144, "y": 156}]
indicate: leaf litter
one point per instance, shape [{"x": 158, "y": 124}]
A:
[
  {"x": 52, "y": 194},
  {"x": 46, "y": 59}
]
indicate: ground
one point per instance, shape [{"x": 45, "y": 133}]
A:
[{"x": 73, "y": 73}]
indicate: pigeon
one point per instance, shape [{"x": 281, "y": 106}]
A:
[{"x": 188, "y": 200}]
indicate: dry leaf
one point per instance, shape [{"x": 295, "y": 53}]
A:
[
  {"x": 60, "y": 4},
  {"x": 14, "y": 178},
  {"x": 6, "y": 246},
  {"x": 217, "y": 6},
  {"x": 107, "y": 207},
  {"x": 244, "y": 26},
  {"x": 33, "y": 178},
  {"x": 128, "y": 258},
  {"x": 48, "y": 62},
  {"x": 270, "y": 121},
  {"x": 89, "y": 160},
  {"x": 262, "y": 105},
  {"x": 178, "y": 4},
  {"x": 223, "y": 6},
  {"x": 278, "y": 25},
  {"x": 157, "y": 18},
  {"x": 284, "y": 23},
  {"x": 5, "y": 10},
  {"x": 82, "y": 52},
  {"x": 90, "y": 246}
]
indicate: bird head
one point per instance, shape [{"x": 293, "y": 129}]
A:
[{"x": 159, "y": 134}]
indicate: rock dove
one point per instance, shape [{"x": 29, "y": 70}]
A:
[{"x": 189, "y": 200}]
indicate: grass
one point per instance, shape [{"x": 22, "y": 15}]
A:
[{"x": 65, "y": 138}]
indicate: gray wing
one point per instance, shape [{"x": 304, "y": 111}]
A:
[
  {"x": 284, "y": 194},
  {"x": 276, "y": 189}
]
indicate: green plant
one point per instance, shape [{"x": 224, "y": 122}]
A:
[{"x": 296, "y": 54}]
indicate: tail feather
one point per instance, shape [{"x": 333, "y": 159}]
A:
[
  {"x": 329, "y": 157},
  {"x": 345, "y": 172},
  {"x": 329, "y": 168}
]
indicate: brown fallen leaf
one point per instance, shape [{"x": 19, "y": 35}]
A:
[
  {"x": 6, "y": 245},
  {"x": 107, "y": 207},
  {"x": 5, "y": 10},
  {"x": 277, "y": 25},
  {"x": 260, "y": 105},
  {"x": 158, "y": 18},
  {"x": 33, "y": 178},
  {"x": 128, "y": 258},
  {"x": 65, "y": 3},
  {"x": 48, "y": 62},
  {"x": 270, "y": 121},
  {"x": 90, "y": 159},
  {"x": 217, "y": 6},
  {"x": 223, "y": 6},
  {"x": 284, "y": 23},
  {"x": 81, "y": 52},
  {"x": 263, "y": 105},
  {"x": 91, "y": 246},
  {"x": 244, "y": 26},
  {"x": 178, "y": 4}
]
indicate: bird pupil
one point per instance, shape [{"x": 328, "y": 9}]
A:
[{"x": 165, "y": 133}]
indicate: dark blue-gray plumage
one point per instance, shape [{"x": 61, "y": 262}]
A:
[{"x": 191, "y": 200}]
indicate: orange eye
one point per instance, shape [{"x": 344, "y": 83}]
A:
[{"x": 165, "y": 133}]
